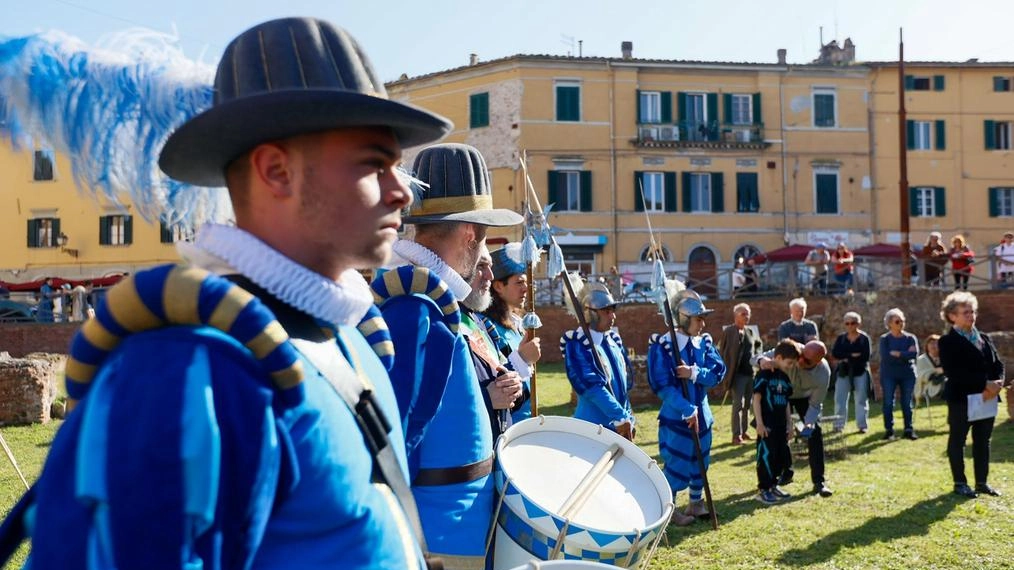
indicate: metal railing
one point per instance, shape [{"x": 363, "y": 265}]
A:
[{"x": 687, "y": 132}]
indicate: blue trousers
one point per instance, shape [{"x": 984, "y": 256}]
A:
[{"x": 890, "y": 384}]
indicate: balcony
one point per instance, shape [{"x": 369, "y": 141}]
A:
[{"x": 705, "y": 135}]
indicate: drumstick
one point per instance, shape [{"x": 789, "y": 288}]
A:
[{"x": 591, "y": 480}]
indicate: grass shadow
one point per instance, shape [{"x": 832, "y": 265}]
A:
[{"x": 913, "y": 521}]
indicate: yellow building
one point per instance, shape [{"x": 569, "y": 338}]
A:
[
  {"x": 50, "y": 228},
  {"x": 733, "y": 158}
]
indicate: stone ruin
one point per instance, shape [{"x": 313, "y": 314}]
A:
[{"x": 28, "y": 387}]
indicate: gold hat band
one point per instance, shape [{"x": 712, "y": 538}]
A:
[{"x": 452, "y": 205}]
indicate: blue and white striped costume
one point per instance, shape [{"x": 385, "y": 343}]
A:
[
  {"x": 676, "y": 444},
  {"x": 602, "y": 395}
]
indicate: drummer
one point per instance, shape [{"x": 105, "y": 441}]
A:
[
  {"x": 701, "y": 367},
  {"x": 601, "y": 377}
]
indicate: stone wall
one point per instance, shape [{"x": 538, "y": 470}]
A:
[
  {"x": 20, "y": 339},
  {"x": 28, "y": 387}
]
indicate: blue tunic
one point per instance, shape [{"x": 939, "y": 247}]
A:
[
  {"x": 676, "y": 444},
  {"x": 513, "y": 337},
  {"x": 602, "y": 395},
  {"x": 442, "y": 411},
  {"x": 207, "y": 462}
]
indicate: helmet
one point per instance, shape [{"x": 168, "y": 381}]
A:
[
  {"x": 597, "y": 296},
  {"x": 689, "y": 306}
]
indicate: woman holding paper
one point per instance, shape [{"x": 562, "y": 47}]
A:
[{"x": 974, "y": 377}]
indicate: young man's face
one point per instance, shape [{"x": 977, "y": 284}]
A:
[
  {"x": 350, "y": 195},
  {"x": 514, "y": 291},
  {"x": 783, "y": 364},
  {"x": 696, "y": 326},
  {"x": 606, "y": 320}
]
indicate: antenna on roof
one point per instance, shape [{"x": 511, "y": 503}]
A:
[{"x": 568, "y": 41}]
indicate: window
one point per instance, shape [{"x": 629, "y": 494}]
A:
[
  {"x": 740, "y": 107},
  {"x": 998, "y": 135},
  {"x": 173, "y": 233},
  {"x": 582, "y": 262},
  {"x": 116, "y": 230},
  {"x": 925, "y": 135},
  {"x": 924, "y": 83},
  {"x": 824, "y": 108},
  {"x": 1002, "y": 84},
  {"x": 650, "y": 107},
  {"x": 703, "y": 192},
  {"x": 659, "y": 191},
  {"x": 700, "y": 192},
  {"x": 826, "y": 185},
  {"x": 478, "y": 110},
  {"x": 43, "y": 167},
  {"x": 42, "y": 232},
  {"x": 747, "y": 194},
  {"x": 698, "y": 114},
  {"x": 1001, "y": 202},
  {"x": 570, "y": 190},
  {"x": 926, "y": 202},
  {"x": 568, "y": 101}
]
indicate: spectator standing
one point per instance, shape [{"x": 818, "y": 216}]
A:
[
  {"x": 1004, "y": 254},
  {"x": 852, "y": 376},
  {"x": 738, "y": 347},
  {"x": 962, "y": 258},
  {"x": 898, "y": 351},
  {"x": 44, "y": 309},
  {"x": 797, "y": 326},
  {"x": 973, "y": 368},
  {"x": 817, "y": 261},
  {"x": 844, "y": 265},
  {"x": 935, "y": 255}
]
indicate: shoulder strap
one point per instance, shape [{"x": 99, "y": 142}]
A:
[{"x": 349, "y": 382}]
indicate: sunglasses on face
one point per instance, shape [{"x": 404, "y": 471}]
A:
[{"x": 851, "y": 323}]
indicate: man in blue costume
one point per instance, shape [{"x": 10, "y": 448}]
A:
[
  {"x": 447, "y": 428},
  {"x": 702, "y": 368},
  {"x": 215, "y": 427},
  {"x": 510, "y": 289},
  {"x": 597, "y": 367},
  {"x": 497, "y": 377}
]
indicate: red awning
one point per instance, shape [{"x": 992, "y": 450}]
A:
[
  {"x": 58, "y": 282},
  {"x": 879, "y": 250},
  {"x": 795, "y": 252}
]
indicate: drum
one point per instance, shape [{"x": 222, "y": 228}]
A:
[
  {"x": 569, "y": 489},
  {"x": 562, "y": 565}
]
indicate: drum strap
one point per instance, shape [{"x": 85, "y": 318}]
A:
[
  {"x": 454, "y": 475},
  {"x": 355, "y": 390}
]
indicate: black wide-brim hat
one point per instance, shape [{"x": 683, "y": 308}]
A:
[
  {"x": 458, "y": 189},
  {"x": 285, "y": 78}
]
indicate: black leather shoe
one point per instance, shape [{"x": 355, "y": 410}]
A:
[
  {"x": 909, "y": 434},
  {"x": 965, "y": 491},
  {"x": 984, "y": 489},
  {"x": 889, "y": 435},
  {"x": 822, "y": 490}
]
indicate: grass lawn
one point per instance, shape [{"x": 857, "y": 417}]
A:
[{"x": 892, "y": 506}]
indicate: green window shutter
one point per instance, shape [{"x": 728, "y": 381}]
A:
[
  {"x": 568, "y": 103},
  {"x": 909, "y": 82},
  {"x": 586, "y": 191},
  {"x": 712, "y": 109},
  {"x": 727, "y": 108},
  {"x": 681, "y": 106},
  {"x": 998, "y": 83},
  {"x": 128, "y": 230},
  {"x": 638, "y": 191},
  {"x": 53, "y": 235},
  {"x": 938, "y": 82},
  {"x": 666, "y": 97},
  {"x": 940, "y": 202},
  {"x": 104, "y": 230},
  {"x": 33, "y": 233},
  {"x": 639, "y": 115},
  {"x": 827, "y": 194},
  {"x": 990, "y": 135},
  {"x": 940, "y": 142},
  {"x": 478, "y": 107},
  {"x": 670, "y": 191},
  {"x": 717, "y": 192},
  {"x": 913, "y": 202},
  {"x": 757, "y": 116},
  {"x": 553, "y": 184},
  {"x": 747, "y": 197},
  {"x": 686, "y": 192},
  {"x": 910, "y": 134},
  {"x": 994, "y": 202}
]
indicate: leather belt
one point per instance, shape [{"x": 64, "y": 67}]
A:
[{"x": 454, "y": 475}]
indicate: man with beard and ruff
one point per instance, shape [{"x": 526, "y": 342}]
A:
[
  {"x": 221, "y": 401},
  {"x": 447, "y": 428}
]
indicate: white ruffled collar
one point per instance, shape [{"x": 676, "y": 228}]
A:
[
  {"x": 411, "y": 252},
  {"x": 681, "y": 339},
  {"x": 226, "y": 250}
]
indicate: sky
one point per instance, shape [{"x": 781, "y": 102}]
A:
[{"x": 416, "y": 37}]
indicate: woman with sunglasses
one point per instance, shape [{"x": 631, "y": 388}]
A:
[
  {"x": 898, "y": 351},
  {"x": 852, "y": 377}
]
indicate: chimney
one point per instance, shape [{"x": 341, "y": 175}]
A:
[
  {"x": 473, "y": 58},
  {"x": 627, "y": 49},
  {"x": 781, "y": 56}
]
